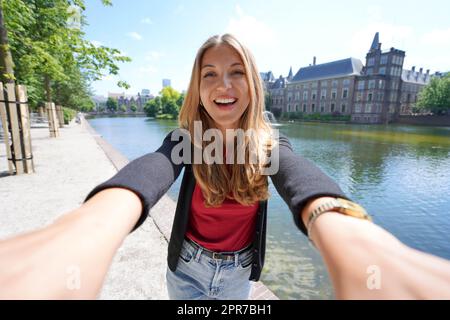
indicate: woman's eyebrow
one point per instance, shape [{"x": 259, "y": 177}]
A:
[{"x": 213, "y": 66}]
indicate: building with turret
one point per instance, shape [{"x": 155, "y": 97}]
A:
[{"x": 377, "y": 92}]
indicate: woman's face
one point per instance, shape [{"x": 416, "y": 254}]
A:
[{"x": 223, "y": 86}]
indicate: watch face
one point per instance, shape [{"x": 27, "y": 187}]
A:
[{"x": 353, "y": 209}]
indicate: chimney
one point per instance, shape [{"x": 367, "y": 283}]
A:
[
  {"x": 428, "y": 71},
  {"x": 314, "y": 61},
  {"x": 413, "y": 68},
  {"x": 379, "y": 46},
  {"x": 421, "y": 69}
]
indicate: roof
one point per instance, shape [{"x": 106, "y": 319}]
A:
[
  {"x": 280, "y": 83},
  {"x": 267, "y": 76},
  {"x": 339, "y": 68},
  {"x": 416, "y": 77}
]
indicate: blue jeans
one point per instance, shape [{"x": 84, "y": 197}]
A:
[{"x": 199, "y": 277}]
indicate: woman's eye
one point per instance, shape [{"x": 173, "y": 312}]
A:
[
  {"x": 209, "y": 74},
  {"x": 239, "y": 72}
]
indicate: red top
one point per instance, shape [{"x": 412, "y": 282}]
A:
[{"x": 230, "y": 227}]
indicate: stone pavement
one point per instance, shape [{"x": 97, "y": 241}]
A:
[{"x": 67, "y": 168}]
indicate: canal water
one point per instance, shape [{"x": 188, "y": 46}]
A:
[{"x": 400, "y": 174}]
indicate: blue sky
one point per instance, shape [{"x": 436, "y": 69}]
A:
[{"x": 162, "y": 37}]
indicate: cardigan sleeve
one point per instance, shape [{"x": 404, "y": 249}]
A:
[
  {"x": 298, "y": 180},
  {"x": 149, "y": 177}
]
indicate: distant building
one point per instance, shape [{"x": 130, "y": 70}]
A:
[
  {"x": 138, "y": 100},
  {"x": 375, "y": 93},
  {"x": 145, "y": 92},
  {"x": 166, "y": 83}
]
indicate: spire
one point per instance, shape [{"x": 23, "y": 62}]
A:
[
  {"x": 375, "y": 42},
  {"x": 290, "y": 75}
]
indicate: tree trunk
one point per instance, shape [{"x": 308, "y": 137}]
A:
[
  {"x": 48, "y": 90},
  {"x": 6, "y": 62}
]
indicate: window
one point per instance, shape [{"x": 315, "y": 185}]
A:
[
  {"x": 314, "y": 84},
  {"x": 323, "y": 94},
  {"x": 313, "y": 107},
  {"x": 333, "y": 95},
  {"x": 343, "y": 108},
  {"x": 358, "y": 107},
  {"x": 346, "y": 82},
  {"x": 380, "y": 96},
  {"x": 361, "y": 84},
  {"x": 297, "y": 96},
  {"x": 370, "y": 61},
  {"x": 371, "y": 84},
  {"x": 332, "y": 107},
  {"x": 324, "y": 84},
  {"x": 359, "y": 96},
  {"x": 344, "y": 94},
  {"x": 334, "y": 83},
  {"x": 380, "y": 84},
  {"x": 305, "y": 95},
  {"x": 383, "y": 59},
  {"x": 288, "y": 107},
  {"x": 296, "y": 107},
  {"x": 369, "y": 97},
  {"x": 322, "y": 107},
  {"x": 314, "y": 93},
  {"x": 368, "y": 108},
  {"x": 304, "y": 107},
  {"x": 394, "y": 85},
  {"x": 369, "y": 71},
  {"x": 382, "y": 70}
]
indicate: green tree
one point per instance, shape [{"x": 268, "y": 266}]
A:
[
  {"x": 435, "y": 97},
  {"x": 171, "y": 101},
  {"x": 153, "y": 107},
  {"x": 111, "y": 104},
  {"x": 123, "y": 108},
  {"x": 49, "y": 50},
  {"x": 133, "y": 108},
  {"x": 180, "y": 100},
  {"x": 171, "y": 108}
]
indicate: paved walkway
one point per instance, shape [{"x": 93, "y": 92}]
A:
[{"x": 67, "y": 168}]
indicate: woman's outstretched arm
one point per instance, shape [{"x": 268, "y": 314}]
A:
[
  {"x": 367, "y": 262},
  {"x": 69, "y": 258}
]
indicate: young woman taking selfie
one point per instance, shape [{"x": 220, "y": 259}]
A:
[{"x": 217, "y": 244}]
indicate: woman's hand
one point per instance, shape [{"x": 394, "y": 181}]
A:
[
  {"x": 367, "y": 262},
  {"x": 69, "y": 258}
]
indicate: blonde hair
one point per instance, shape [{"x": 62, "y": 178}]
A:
[{"x": 244, "y": 182}]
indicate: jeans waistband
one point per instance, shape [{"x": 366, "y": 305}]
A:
[{"x": 218, "y": 255}]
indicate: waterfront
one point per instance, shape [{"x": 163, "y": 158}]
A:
[{"x": 400, "y": 174}]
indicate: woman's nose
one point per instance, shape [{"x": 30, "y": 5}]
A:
[{"x": 225, "y": 82}]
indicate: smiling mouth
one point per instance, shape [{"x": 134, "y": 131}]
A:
[{"x": 225, "y": 103}]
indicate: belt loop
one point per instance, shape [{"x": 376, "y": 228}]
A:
[
  {"x": 236, "y": 259},
  {"x": 199, "y": 252}
]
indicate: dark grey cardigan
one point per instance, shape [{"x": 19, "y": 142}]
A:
[{"x": 150, "y": 176}]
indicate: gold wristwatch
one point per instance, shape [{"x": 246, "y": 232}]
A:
[{"x": 340, "y": 205}]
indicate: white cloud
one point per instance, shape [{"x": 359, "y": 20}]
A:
[
  {"x": 437, "y": 37},
  {"x": 147, "y": 70},
  {"x": 134, "y": 35},
  {"x": 97, "y": 43},
  {"x": 146, "y": 21},
  {"x": 390, "y": 36},
  {"x": 153, "y": 55},
  {"x": 250, "y": 30}
]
